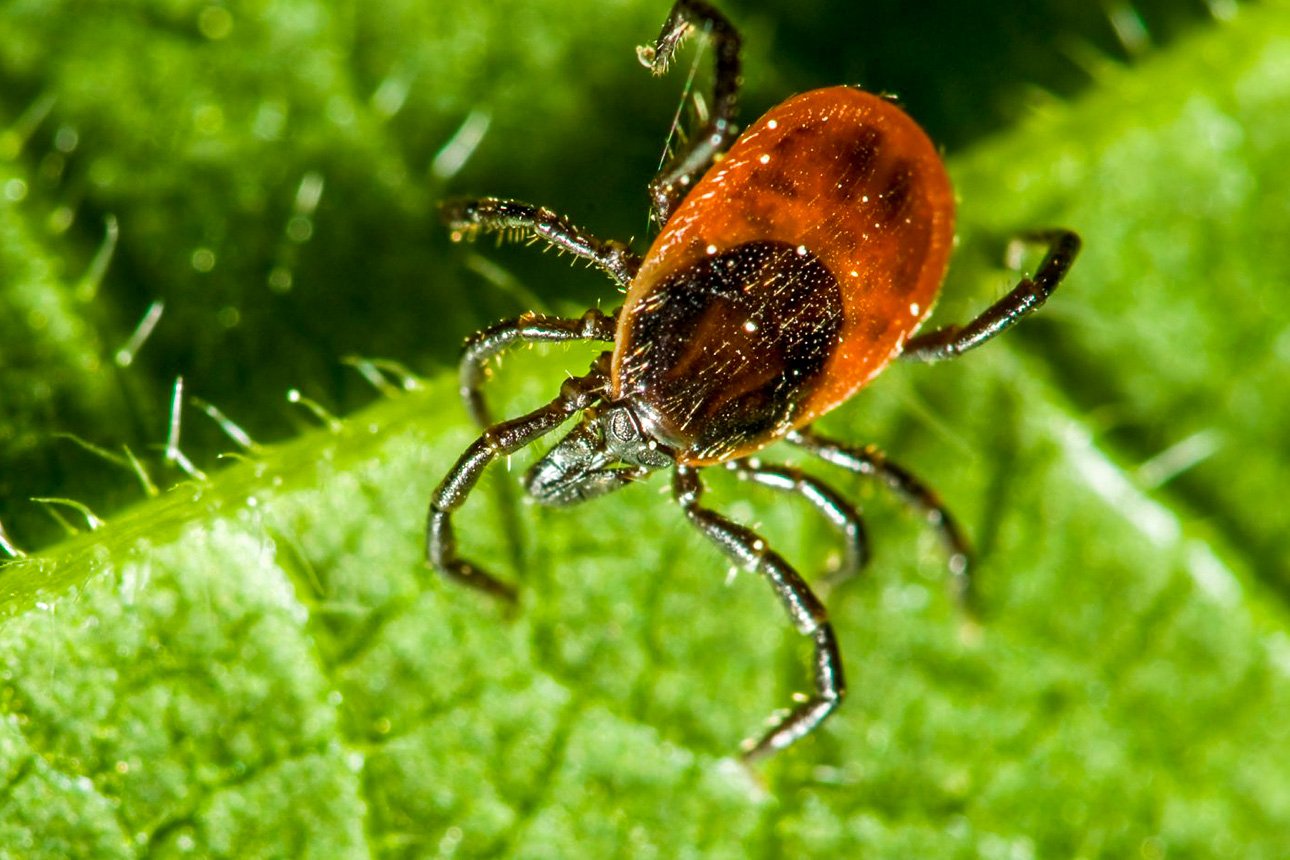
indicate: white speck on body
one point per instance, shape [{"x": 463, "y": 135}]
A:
[{"x": 914, "y": 309}]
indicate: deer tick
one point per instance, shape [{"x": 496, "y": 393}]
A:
[{"x": 792, "y": 264}]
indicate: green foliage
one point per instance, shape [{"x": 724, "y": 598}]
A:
[{"x": 258, "y": 664}]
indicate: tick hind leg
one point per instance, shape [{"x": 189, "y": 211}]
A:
[
  {"x": 465, "y": 218},
  {"x": 693, "y": 158},
  {"x": 528, "y": 328},
  {"x": 745, "y": 548},
  {"x": 1028, "y": 295},
  {"x": 870, "y": 461},
  {"x": 837, "y": 510},
  {"x": 441, "y": 544}
]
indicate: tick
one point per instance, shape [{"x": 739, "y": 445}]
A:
[{"x": 791, "y": 266}]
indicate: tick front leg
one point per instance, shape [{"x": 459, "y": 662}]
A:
[
  {"x": 505, "y": 438},
  {"x": 872, "y": 462},
  {"x": 837, "y": 510},
  {"x": 1032, "y": 292},
  {"x": 808, "y": 615},
  {"x": 465, "y": 218},
  {"x": 718, "y": 132},
  {"x": 528, "y": 328}
]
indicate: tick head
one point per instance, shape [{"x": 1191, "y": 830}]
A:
[
  {"x": 627, "y": 440},
  {"x": 608, "y": 449}
]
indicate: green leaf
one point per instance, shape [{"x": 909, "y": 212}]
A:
[{"x": 259, "y": 664}]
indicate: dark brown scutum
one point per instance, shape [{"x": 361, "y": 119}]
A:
[{"x": 722, "y": 352}]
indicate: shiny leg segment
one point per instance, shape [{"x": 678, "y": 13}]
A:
[
  {"x": 528, "y": 328},
  {"x": 507, "y": 437},
  {"x": 465, "y": 218},
  {"x": 869, "y": 461},
  {"x": 667, "y": 189},
  {"x": 837, "y": 510},
  {"x": 1028, "y": 295},
  {"x": 745, "y": 548}
]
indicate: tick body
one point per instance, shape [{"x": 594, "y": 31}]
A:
[
  {"x": 791, "y": 266},
  {"x": 789, "y": 276}
]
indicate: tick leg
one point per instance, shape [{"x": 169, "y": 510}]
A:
[
  {"x": 808, "y": 615},
  {"x": 504, "y": 438},
  {"x": 466, "y": 218},
  {"x": 872, "y": 462},
  {"x": 1032, "y": 292},
  {"x": 718, "y": 132},
  {"x": 528, "y": 328},
  {"x": 837, "y": 510}
]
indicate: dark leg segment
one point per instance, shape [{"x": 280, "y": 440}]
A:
[
  {"x": 465, "y": 218},
  {"x": 837, "y": 510},
  {"x": 505, "y": 438},
  {"x": 748, "y": 550},
  {"x": 718, "y": 132},
  {"x": 1032, "y": 292},
  {"x": 529, "y": 328},
  {"x": 872, "y": 462}
]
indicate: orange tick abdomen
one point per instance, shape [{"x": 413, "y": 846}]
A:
[{"x": 835, "y": 215}]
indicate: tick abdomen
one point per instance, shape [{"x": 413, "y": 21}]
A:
[{"x": 850, "y": 178}]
